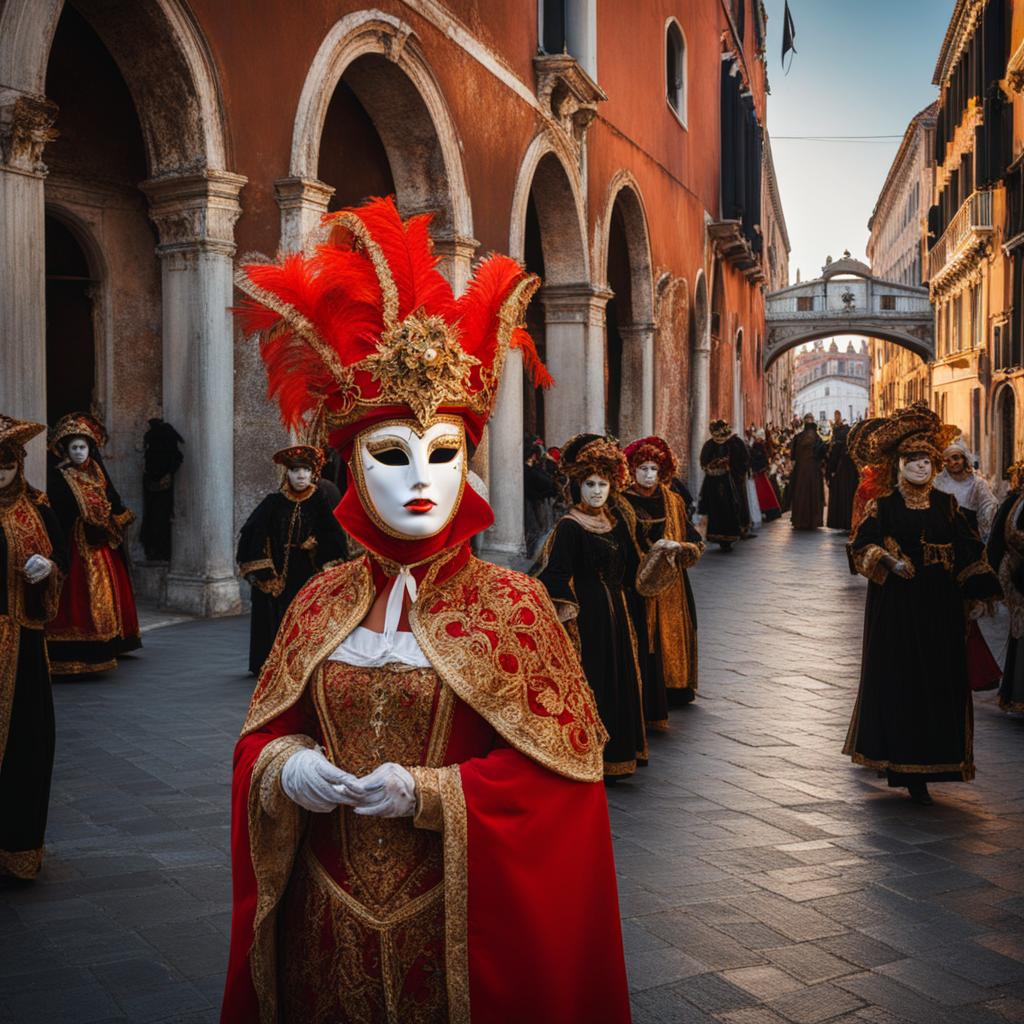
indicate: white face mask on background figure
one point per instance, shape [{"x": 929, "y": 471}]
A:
[
  {"x": 8, "y": 472},
  {"x": 594, "y": 491},
  {"x": 411, "y": 483},
  {"x": 299, "y": 478},
  {"x": 78, "y": 450},
  {"x": 917, "y": 470},
  {"x": 647, "y": 475}
]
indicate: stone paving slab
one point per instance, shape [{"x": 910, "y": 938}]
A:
[{"x": 763, "y": 879}]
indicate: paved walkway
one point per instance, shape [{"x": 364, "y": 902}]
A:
[{"x": 763, "y": 878}]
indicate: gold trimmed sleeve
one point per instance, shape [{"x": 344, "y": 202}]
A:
[
  {"x": 275, "y": 828},
  {"x": 868, "y": 562},
  {"x": 456, "y": 888},
  {"x": 657, "y": 572},
  {"x": 429, "y": 811},
  {"x": 260, "y": 563},
  {"x": 122, "y": 520},
  {"x": 974, "y": 569},
  {"x": 689, "y": 555}
]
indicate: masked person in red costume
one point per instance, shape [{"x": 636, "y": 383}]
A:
[
  {"x": 97, "y": 619},
  {"x": 421, "y": 762}
]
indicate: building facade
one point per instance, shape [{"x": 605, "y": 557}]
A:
[
  {"x": 829, "y": 379},
  {"x": 970, "y": 266},
  {"x": 615, "y": 150},
  {"x": 779, "y": 395},
  {"x": 897, "y": 251}
]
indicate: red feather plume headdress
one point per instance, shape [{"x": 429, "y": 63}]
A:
[{"x": 367, "y": 328}]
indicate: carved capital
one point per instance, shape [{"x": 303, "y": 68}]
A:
[
  {"x": 568, "y": 95},
  {"x": 393, "y": 40},
  {"x": 26, "y": 126},
  {"x": 196, "y": 212}
]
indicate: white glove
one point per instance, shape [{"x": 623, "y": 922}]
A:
[
  {"x": 311, "y": 781},
  {"x": 37, "y": 568},
  {"x": 387, "y": 792}
]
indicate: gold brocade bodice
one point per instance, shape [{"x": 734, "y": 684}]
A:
[
  {"x": 369, "y": 716},
  {"x": 366, "y": 902}
]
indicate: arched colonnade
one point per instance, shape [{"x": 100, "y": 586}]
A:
[{"x": 371, "y": 74}]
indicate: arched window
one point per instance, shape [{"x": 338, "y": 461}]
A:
[{"x": 675, "y": 69}]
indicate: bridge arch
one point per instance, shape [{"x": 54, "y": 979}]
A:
[
  {"x": 847, "y": 299},
  {"x": 777, "y": 347}
]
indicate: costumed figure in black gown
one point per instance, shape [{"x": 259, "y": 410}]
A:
[
  {"x": 806, "y": 485},
  {"x": 289, "y": 537},
  {"x": 914, "y": 717},
  {"x": 669, "y": 612},
  {"x": 1006, "y": 556},
  {"x": 719, "y": 494},
  {"x": 97, "y": 620},
  {"x": 841, "y": 476},
  {"x": 33, "y": 561},
  {"x": 161, "y": 460},
  {"x": 589, "y": 567}
]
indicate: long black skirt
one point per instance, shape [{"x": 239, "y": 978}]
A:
[
  {"x": 268, "y": 612},
  {"x": 914, "y": 716},
  {"x": 27, "y": 764}
]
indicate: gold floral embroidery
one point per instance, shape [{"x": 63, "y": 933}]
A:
[
  {"x": 275, "y": 827},
  {"x": 103, "y": 606},
  {"x": 494, "y": 638},
  {"x": 21, "y": 863},
  {"x": 10, "y": 634},
  {"x": 323, "y": 613},
  {"x": 25, "y": 534},
  {"x": 868, "y": 562},
  {"x": 938, "y": 554},
  {"x": 429, "y": 812},
  {"x": 456, "y": 890}
]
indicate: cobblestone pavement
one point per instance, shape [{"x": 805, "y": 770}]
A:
[{"x": 763, "y": 878}]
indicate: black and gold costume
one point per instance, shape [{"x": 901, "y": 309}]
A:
[{"x": 286, "y": 540}]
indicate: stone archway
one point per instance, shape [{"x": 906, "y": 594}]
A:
[
  {"x": 370, "y": 68},
  {"x": 164, "y": 66},
  {"x": 623, "y": 260},
  {"x": 547, "y": 233}
]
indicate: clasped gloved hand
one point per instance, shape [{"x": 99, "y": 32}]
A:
[
  {"x": 311, "y": 781},
  {"x": 37, "y": 568},
  {"x": 387, "y": 792}
]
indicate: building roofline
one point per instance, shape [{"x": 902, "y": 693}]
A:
[
  {"x": 921, "y": 120},
  {"x": 773, "y": 190},
  {"x": 949, "y": 47}
]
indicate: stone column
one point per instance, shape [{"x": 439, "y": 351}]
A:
[
  {"x": 636, "y": 411},
  {"x": 700, "y": 417},
  {"x": 302, "y": 201},
  {"x": 575, "y": 347},
  {"x": 456, "y": 252},
  {"x": 195, "y": 217},
  {"x": 506, "y": 539},
  {"x": 26, "y": 125}
]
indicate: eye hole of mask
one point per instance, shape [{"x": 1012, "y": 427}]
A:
[
  {"x": 391, "y": 457},
  {"x": 443, "y": 454}
]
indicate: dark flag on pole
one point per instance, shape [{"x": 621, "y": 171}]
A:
[{"x": 788, "y": 38}]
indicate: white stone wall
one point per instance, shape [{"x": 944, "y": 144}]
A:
[{"x": 824, "y": 396}]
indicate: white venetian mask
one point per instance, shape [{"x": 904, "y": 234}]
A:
[
  {"x": 594, "y": 491},
  {"x": 410, "y": 482},
  {"x": 8, "y": 471},
  {"x": 299, "y": 478},
  {"x": 646, "y": 474},
  {"x": 78, "y": 450},
  {"x": 916, "y": 470}
]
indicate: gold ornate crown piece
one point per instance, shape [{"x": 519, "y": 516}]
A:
[{"x": 420, "y": 363}]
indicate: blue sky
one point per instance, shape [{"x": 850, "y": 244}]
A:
[{"x": 863, "y": 67}]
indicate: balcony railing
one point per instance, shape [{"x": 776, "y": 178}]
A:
[{"x": 971, "y": 223}]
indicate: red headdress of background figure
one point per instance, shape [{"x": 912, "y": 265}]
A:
[
  {"x": 367, "y": 330},
  {"x": 653, "y": 449}
]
